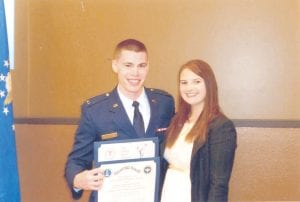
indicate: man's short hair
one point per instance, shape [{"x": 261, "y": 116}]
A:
[{"x": 131, "y": 45}]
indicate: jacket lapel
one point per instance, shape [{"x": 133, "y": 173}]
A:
[
  {"x": 151, "y": 130},
  {"x": 120, "y": 118}
]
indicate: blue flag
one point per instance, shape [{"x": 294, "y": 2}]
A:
[{"x": 9, "y": 177}]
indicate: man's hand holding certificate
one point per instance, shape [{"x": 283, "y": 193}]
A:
[{"x": 130, "y": 169}]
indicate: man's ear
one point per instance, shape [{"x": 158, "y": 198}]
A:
[{"x": 114, "y": 66}]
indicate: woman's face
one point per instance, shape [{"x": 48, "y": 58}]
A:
[{"x": 192, "y": 88}]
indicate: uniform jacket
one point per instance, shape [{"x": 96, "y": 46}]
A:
[
  {"x": 211, "y": 165},
  {"x": 104, "y": 115}
]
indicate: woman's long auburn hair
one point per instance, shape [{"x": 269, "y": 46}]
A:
[{"x": 211, "y": 109}]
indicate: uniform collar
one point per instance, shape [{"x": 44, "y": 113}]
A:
[{"x": 142, "y": 99}]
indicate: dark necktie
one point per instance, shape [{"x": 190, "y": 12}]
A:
[{"x": 138, "y": 122}]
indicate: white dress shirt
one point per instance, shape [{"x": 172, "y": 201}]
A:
[{"x": 144, "y": 107}]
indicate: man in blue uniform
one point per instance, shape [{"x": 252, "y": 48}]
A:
[{"x": 113, "y": 116}]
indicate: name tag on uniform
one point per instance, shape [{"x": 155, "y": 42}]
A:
[{"x": 108, "y": 136}]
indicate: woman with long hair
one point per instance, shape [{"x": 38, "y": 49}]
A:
[{"x": 200, "y": 143}]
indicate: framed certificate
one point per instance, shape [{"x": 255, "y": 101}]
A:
[
  {"x": 132, "y": 181},
  {"x": 115, "y": 150},
  {"x": 131, "y": 170}
]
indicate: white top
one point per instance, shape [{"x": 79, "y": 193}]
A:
[{"x": 177, "y": 184}]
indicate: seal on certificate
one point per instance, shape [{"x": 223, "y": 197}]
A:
[
  {"x": 107, "y": 172},
  {"x": 147, "y": 169},
  {"x": 109, "y": 154}
]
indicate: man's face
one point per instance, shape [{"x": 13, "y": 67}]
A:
[{"x": 132, "y": 68}]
